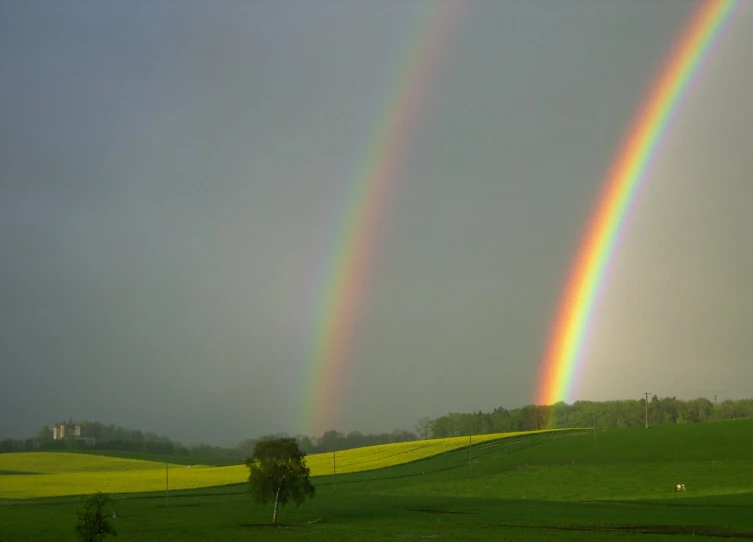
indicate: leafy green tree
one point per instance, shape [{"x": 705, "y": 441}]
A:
[
  {"x": 278, "y": 473},
  {"x": 93, "y": 518},
  {"x": 440, "y": 428}
]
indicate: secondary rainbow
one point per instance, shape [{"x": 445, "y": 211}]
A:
[
  {"x": 629, "y": 170},
  {"x": 357, "y": 238}
]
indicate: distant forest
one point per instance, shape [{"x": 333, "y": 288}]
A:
[{"x": 602, "y": 415}]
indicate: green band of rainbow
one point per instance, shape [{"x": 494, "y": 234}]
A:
[
  {"x": 347, "y": 276},
  {"x": 567, "y": 342}
]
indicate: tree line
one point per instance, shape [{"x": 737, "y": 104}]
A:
[
  {"x": 113, "y": 437},
  {"x": 602, "y": 414}
]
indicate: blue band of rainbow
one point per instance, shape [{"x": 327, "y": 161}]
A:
[{"x": 557, "y": 376}]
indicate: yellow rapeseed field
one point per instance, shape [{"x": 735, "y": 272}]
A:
[
  {"x": 388, "y": 455},
  {"x": 60, "y": 462},
  {"x": 59, "y": 474}
]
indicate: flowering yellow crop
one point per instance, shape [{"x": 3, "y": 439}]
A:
[
  {"x": 129, "y": 481},
  {"x": 57, "y": 462},
  {"x": 388, "y": 455},
  {"x": 59, "y": 474}
]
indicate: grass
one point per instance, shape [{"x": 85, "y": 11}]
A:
[
  {"x": 389, "y": 455},
  {"x": 64, "y": 473},
  {"x": 551, "y": 486}
]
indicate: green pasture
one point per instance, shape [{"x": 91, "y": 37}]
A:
[
  {"x": 550, "y": 486},
  {"x": 60, "y": 474}
]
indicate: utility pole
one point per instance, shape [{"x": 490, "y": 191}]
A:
[
  {"x": 470, "y": 458},
  {"x": 646, "y": 393},
  {"x": 334, "y": 472},
  {"x": 166, "y": 483}
]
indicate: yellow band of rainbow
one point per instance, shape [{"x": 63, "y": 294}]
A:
[{"x": 557, "y": 376}]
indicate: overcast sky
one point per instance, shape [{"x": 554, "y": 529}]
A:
[{"x": 171, "y": 174}]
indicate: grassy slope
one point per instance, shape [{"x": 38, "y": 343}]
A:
[
  {"x": 710, "y": 459},
  {"x": 513, "y": 495},
  {"x": 388, "y": 455},
  {"x": 61, "y": 473}
]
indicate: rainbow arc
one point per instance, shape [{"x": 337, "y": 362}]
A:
[
  {"x": 365, "y": 211},
  {"x": 620, "y": 189}
]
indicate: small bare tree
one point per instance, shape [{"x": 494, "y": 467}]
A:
[
  {"x": 93, "y": 518},
  {"x": 423, "y": 427}
]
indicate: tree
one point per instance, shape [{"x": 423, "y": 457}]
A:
[
  {"x": 279, "y": 473},
  {"x": 305, "y": 443},
  {"x": 331, "y": 441},
  {"x": 401, "y": 435},
  {"x": 44, "y": 434},
  {"x": 93, "y": 523},
  {"x": 423, "y": 427},
  {"x": 245, "y": 447}
]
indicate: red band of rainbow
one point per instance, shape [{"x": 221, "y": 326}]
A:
[
  {"x": 565, "y": 349},
  {"x": 347, "y": 276}
]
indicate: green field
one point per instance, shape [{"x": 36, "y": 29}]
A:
[
  {"x": 59, "y": 474},
  {"x": 547, "y": 486}
]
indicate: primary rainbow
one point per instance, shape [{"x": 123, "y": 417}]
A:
[
  {"x": 347, "y": 274},
  {"x": 621, "y": 185}
]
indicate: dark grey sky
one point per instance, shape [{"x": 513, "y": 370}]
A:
[{"x": 172, "y": 171}]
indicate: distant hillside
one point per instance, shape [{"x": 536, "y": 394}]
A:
[{"x": 711, "y": 459}]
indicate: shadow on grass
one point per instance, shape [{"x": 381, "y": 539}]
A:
[
  {"x": 269, "y": 526},
  {"x": 683, "y": 530},
  {"x": 440, "y": 511}
]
